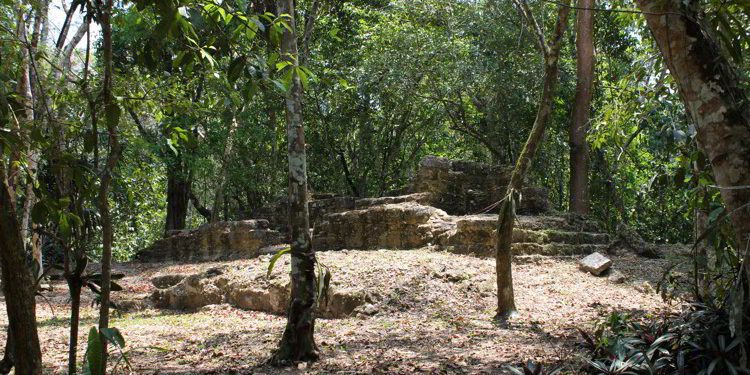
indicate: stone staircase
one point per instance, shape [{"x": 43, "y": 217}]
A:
[
  {"x": 409, "y": 225},
  {"x": 543, "y": 235},
  {"x": 439, "y": 212}
]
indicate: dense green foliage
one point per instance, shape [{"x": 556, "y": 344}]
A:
[
  {"x": 198, "y": 106},
  {"x": 391, "y": 82}
]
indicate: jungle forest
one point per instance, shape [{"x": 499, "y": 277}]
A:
[{"x": 530, "y": 187}]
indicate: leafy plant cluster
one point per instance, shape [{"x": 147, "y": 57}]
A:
[{"x": 700, "y": 340}]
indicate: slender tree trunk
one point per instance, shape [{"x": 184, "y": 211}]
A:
[
  {"x": 718, "y": 106},
  {"x": 506, "y": 306},
  {"x": 74, "y": 286},
  {"x": 219, "y": 196},
  {"x": 26, "y": 115},
  {"x": 702, "y": 277},
  {"x": 297, "y": 343},
  {"x": 112, "y": 113},
  {"x": 579, "y": 151}
]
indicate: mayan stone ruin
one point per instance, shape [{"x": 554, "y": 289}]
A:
[{"x": 448, "y": 206}]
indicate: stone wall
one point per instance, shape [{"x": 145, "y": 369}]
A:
[
  {"x": 411, "y": 225},
  {"x": 277, "y": 213},
  {"x": 406, "y": 225},
  {"x": 462, "y": 187},
  {"x": 440, "y": 191},
  {"x": 216, "y": 241}
]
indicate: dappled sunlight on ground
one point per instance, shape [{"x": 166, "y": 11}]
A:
[{"x": 438, "y": 318}]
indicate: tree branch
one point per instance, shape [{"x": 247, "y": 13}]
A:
[{"x": 523, "y": 7}]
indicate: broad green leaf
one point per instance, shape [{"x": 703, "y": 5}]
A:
[
  {"x": 94, "y": 353},
  {"x": 114, "y": 336},
  {"x": 276, "y": 257}
]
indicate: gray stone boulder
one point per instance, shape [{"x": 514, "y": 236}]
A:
[
  {"x": 616, "y": 277},
  {"x": 166, "y": 281},
  {"x": 595, "y": 264},
  {"x": 191, "y": 293}
]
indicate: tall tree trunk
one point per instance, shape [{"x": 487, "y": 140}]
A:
[
  {"x": 219, "y": 196},
  {"x": 297, "y": 343},
  {"x": 506, "y": 306},
  {"x": 26, "y": 115},
  {"x": 18, "y": 286},
  {"x": 720, "y": 109},
  {"x": 112, "y": 113},
  {"x": 579, "y": 151},
  {"x": 702, "y": 279}
]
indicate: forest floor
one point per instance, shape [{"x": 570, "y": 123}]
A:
[{"x": 437, "y": 317}]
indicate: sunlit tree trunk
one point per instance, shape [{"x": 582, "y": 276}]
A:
[
  {"x": 297, "y": 343},
  {"x": 112, "y": 113},
  {"x": 506, "y": 306},
  {"x": 579, "y": 151},
  {"x": 709, "y": 87}
]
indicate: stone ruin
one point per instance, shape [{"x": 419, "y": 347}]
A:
[
  {"x": 461, "y": 187},
  {"x": 215, "y": 241},
  {"x": 445, "y": 208}
]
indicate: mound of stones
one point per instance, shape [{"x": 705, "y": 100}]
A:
[
  {"x": 396, "y": 284},
  {"x": 444, "y": 208},
  {"x": 407, "y": 225},
  {"x": 215, "y": 241},
  {"x": 461, "y": 187},
  {"x": 532, "y": 235},
  {"x": 410, "y": 225}
]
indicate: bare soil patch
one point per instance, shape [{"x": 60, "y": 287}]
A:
[{"x": 428, "y": 312}]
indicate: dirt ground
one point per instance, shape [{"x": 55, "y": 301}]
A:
[{"x": 434, "y": 316}]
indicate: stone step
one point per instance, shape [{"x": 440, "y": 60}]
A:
[
  {"x": 548, "y": 236},
  {"x": 410, "y": 225},
  {"x": 528, "y": 248},
  {"x": 562, "y": 222}
]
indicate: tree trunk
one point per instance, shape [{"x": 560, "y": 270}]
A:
[
  {"x": 178, "y": 195},
  {"x": 702, "y": 279},
  {"x": 579, "y": 152},
  {"x": 219, "y": 196},
  {"x": 505, "y": 301},
  {"x": 18, "y": 286},
  {"x": 22, "y": 348},
  {"x": 297, "y": 343},
  {"x": 112, "y": 113},
  {"x": 74, "y": 287},
  {"x": 720, "y": 109}
]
